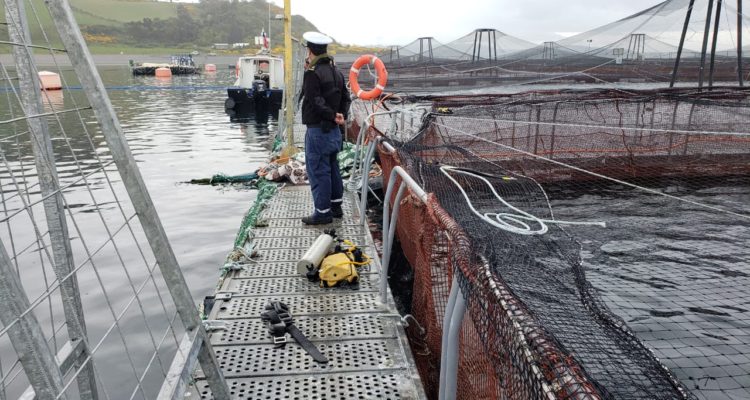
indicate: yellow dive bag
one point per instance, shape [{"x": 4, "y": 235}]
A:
[{"x": 337, "y": 269}]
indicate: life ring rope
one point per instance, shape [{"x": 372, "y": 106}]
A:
[{"x": 382, "y": 73}]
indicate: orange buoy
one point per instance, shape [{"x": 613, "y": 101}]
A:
[
  {"x": 50, "y": 80},
  {"x": 210, "y": 68},
  {"x": 163, "y": 72},
  {"x": 354, "y": 76}
]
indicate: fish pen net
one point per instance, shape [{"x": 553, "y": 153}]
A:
[
  {"x": 640, "y": 48},
  {"x": 599, "y": 238}
]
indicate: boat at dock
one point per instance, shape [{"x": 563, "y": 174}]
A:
[
  {"x": 181, "y": 64},
  {"x": 259, "y": 85}
]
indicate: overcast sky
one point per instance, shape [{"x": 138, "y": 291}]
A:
[{"x": 385, "y": 22}]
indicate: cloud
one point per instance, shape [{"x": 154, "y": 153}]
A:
[{"x": 401, "y": 21}]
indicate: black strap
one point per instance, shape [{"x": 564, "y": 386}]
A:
[
  {"x": 306, "y": 344},
  {"x": 280, "y": 321}
]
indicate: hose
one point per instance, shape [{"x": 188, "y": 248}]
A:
[{"x": 519, "y": 221}]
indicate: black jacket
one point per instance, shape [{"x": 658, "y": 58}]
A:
[{"x": 325, "y": 94}]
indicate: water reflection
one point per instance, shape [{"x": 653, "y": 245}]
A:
[
  {"x": 251, "y": 115},
  {"x": 53, "y": 100},
  {"x": 177, "y": 131}
]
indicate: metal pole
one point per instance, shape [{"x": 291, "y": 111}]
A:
[
  {"x": 269, "y": 26},
  {"x": 739, "y": 42},
  {"x": 288, "y": 93},
  {"x": 449, "y": 307},
  {"x": 704, "y": 48},
  {"x": 41, "y": 144},
  {"x": 474, "y": 49},
  {"x": 717, "y": 21},
  {"x": 26, "y": 335},
  {"x": 449, "y": 386},
  {"x": 682, "y": 43},
  {"x": 88, "y": 75},
  {"x": 494, "y": 35},
  {"x": 364, "y": 182},
  {"x": 489, "y": 45},
  {"x": 388, "y": 244}
]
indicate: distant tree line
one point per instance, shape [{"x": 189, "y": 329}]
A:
[{"x": 205, "y": 23}]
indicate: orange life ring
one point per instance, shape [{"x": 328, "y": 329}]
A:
[{"x": 354, "y": 75}]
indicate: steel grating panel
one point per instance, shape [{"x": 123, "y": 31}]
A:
[
  {"x": 343, "y": 356},
  {"x": 280, "y": 268},
  {"x": 289, "y": 254},
  {"x": 385, "y": 385},
  {"x": 290, "y": 285},
  {"x": 343, "y": 327},
  {"x": 291, "y": 242},
  {"x": 271, "y": 213},
  {"x": 269, "y": 255},
  {"x": 272, "y": 269},
  {"x": 347, "y": 232},
  {"x": 362, "y": 337},
  {"x": 328, "y": 303},
  {"x": 302, "y": 202},
  {"x": 297, "y": 223},
  {"x": 284, "y": 242}
]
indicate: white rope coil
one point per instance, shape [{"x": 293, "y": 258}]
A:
[{"x": 518, "y": 221}]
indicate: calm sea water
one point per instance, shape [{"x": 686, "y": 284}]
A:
[{"x": 177, "y": 130}]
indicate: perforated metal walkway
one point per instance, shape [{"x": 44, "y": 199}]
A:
[{"x": 363, "y": 338}]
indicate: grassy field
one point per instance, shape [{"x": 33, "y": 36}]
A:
[
  {"x": 101, "y": 12},
  {"x": 119, "y": 12},
  {"x": 96, "y": 12}
]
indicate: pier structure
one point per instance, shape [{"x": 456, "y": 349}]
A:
[
  {"x": 362, "y": 336},
  {"x": 490, "y": 37},
  {"x": 425, "y": 50}
]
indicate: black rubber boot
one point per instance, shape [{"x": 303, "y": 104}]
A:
[
  {"x": 336, "y": 210},
  {"x": 317, "y": 219}
]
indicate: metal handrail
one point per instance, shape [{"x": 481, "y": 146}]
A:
[
  {"x": 358, "y": 166},
  {"x": 390, "y": 218},
  {"x": 455, "y": 311},
  {"x": 456, "y": 307}
]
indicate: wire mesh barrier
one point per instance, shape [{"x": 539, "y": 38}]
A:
[
  {"x": 94, "y": 303},
  {"x": 680, "y": 40},
  {"x": 599, "y": 238}
]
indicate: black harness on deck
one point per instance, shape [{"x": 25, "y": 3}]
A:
[{"x": 280, "y": 321}]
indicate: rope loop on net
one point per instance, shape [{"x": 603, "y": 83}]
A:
[{"x": 519, "y": 221}]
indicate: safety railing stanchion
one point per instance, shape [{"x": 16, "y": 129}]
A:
[
  {"x": 390, "y": 218},
  {"x": 365, "y": 183},
  {"x": 454, "y": 318},
  {"x": 358, "y": 153},
  {"x": 357, "y": 156},
  {"x": 88, "y": 75}
]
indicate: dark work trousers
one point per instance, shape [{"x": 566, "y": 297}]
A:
[{"x": 322, "y": 167}]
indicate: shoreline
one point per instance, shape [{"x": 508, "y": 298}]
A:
[{"x": 123, "y": 60}]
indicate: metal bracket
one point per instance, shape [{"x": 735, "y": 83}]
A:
[
  {"x": 212, "y": 325},
  {"x": 225, "y": 296},
  {"x": 280, "y": 339}
]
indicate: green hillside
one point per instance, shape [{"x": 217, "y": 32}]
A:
[{"x": 147, "y": 26}]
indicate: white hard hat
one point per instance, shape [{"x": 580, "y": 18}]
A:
[{"x": 316, "y": 38}]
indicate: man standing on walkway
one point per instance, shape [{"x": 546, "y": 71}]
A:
[{"x": 324, "y": 109}]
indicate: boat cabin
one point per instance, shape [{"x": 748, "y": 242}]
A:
[{"x": 260, "y": 67}]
